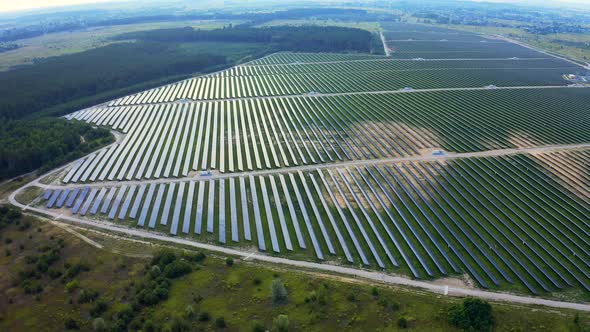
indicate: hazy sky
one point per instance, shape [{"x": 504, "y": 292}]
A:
[{"x": 12, "y": 5}]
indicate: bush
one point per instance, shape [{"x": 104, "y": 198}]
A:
[
  {"x": 204, "y": 316},
  {"x": 220, "y": 323},
  {"x": 281, "y": 323},
  {"x": 163, "y": 258},
  {"x": 99, "y": 308},
  {"x": 72, "y": 285},
  {"x": 402, "y": 323},
  {"x": 54, "y": 273},
  {"x": 189, "y": 312},
  {"x": 375, "y": 291},
  {"x": 71, "y": 324},
  {"x": 194, "y": 257},
  {"x": 278, "y": 292},
  {"x": 99, "y": 325},
  {"x": 75, "y": 268},
  {"x": 473, "y": 315},
  {"x": 177, "y": 269},
  {"x": 155, "y": 271},
  {"x": 32, "y": 286},
  {"x": 229, "y": 261},
  {"x": 179, "y": 325},
  {"x": 258, "y": 327},
  {"x": 87, "y": 295}
]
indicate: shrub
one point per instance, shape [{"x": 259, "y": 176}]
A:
[
  {"x": 32, "y": 286},
  {"x": 177, "y": 269},
  {"x": 99, "y": 307},
  {"x": 99, "y": 325},
  {"x": 71, "y": 324},
  {"x": 257, "y": 281},
  {"x": 163, "y": 258},
  {"x": 229, "y": 261},
  {"x": 402, "y": 323},
  {"x": 281, "y": 323},
  {"x": 155, "y": 271},
  {"x": 72, "y": 285},
  {"x": 220, "y": 323},
  {"x": 204, "y": 316},
  {"x": 75, "y": 268},
  {"x": 54, "y": 273},
  {"x": 194, "y": 257},
  {"x": 87, "y": 295},
  {"x": 375, "y": 291},
  {"x": 278, "y": 292},
  {"x": 179, "y": 325},
  {"x": 189, "y": 311},
  {"x": 258, "y": 327},
  {"x": 473, "y": 314}
]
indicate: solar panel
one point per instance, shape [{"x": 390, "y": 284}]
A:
[
  {"x": 156, "y": 208},
  {"x": 146, "y": 206},
  {"x": 314, "y": 241},
  {"x": 137, "y": 202},
  {"x": 269, "y": 218},
  {"x": 168, "y": 204},
  {"x": 245, "y": 213},
  {"x": 211, "y": 206},
  {"x": 235, "y": 236},
  {"x": 108, "y": 200},
  {"x": 257, "y": 218},
  {"x": 123, "y": 213},
  {"x": 317, "y": 214},
  {"x": 331, "y": 219},
  {"x": 47, "y": 194},
  {"x": 200, "y": 198},
  {"x": 177, "y": 209},
  {"x": 117, "y": 202},
  {"x": 96, "y": 205},
  {"x": 53, "y": 198},
  {"x": 88, "y": 201},
  {"x": 62, "y": 198},
  {"x": 281, "y": 214},
  {"x": 72, "y": 197},
  {"x": 80, "y": 200},
  {"x": 188, "y": 207},
  {"x": 222, "y": 211},
  {"x": 293, "y": 215}
]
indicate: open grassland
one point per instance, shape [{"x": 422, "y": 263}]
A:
[{"x": 87, "y": 282}]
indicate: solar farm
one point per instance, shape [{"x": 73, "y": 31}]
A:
[{"x": 457, "y": 155}]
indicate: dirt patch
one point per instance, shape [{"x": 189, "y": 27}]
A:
[
  {"x": 568, "y": 170},
  {"x": 463, "y": 281}
]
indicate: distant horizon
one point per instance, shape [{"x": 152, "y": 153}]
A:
[{"x": 32, "y": 5}]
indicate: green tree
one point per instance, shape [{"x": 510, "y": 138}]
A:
[
  {"x": 472, "y": 315},
  {"x": 278, "y": 292},
  {"x": 281, "y": 323}
]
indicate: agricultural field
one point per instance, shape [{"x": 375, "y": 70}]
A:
[{"x": 450, "y": 158}]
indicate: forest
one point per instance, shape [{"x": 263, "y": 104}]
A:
[
  {"x": 281, "y": 38},
  {"x": 45, "y": 143}
]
